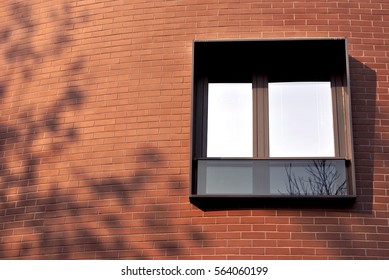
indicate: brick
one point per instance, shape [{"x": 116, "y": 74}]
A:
[
  {"x": 302, "y": 251},
  {"x": 278, "y": 235},
  {"x": 328, "y": 252},
  {"x": 353, "y": 252},
  {"x": 277, "y": 251}
]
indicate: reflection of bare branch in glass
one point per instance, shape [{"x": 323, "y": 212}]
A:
[{"x": 323, "y": 179}]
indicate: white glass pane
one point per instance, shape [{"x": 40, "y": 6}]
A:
[
  {"x": 301, "y": 120},
  {"x": 230, "y": 120}
]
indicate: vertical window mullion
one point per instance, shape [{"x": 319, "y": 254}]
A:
[
  {"x": 346, "y": 112},
  {"x": 261, "y": 116},
  {"x": 255, "y": 117},
  {"x": 339, "y": 121},
  {"x": 204, "y": 113}
]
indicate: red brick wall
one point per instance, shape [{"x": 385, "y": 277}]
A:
[{"x": 95, "y": 131}]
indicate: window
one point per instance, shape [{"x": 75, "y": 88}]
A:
[{"x": 271, "y": 119}]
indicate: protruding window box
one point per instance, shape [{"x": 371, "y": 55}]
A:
[{"x": 271, "y": 121}]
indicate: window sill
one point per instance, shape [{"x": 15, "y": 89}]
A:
[{"x": 232, "y": 202}]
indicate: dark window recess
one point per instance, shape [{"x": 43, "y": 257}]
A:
[{"x": 271, "y": 123}]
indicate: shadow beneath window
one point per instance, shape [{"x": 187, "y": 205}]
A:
[{"x": 363, "y": 82}]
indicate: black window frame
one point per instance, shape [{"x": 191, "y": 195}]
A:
[{"x": 261, "y": 62}]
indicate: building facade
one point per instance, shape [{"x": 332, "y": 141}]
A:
[{"x": 96, "y": 131}]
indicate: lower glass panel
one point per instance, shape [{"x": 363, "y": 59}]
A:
[
  {"x": 226, "y": 177},
  {"x": 272, "y": 177}
]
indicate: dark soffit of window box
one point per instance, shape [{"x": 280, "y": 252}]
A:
[{"x": 284, "y": 59}]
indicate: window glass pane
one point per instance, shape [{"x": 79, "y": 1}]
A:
[
  {"x": 230, "y": 120},
  {"x": 313, "y": 177},
  {"x": 272, "y": 177},
  {"x": 225, "y": 177},
  {"x": 301, "y": 120}
]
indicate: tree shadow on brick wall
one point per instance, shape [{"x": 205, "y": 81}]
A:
[
  {"x": 88, "y": 216},
  {"x": 68, "y": 227},
  {"x": 20, "y": 127}
]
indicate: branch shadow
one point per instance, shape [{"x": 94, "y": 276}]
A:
[{"x": 89, "y": 216}]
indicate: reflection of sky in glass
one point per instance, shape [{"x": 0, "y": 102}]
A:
[
  {"x": 230, "y": 120},
  {"x": 300, "y": 119}
]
